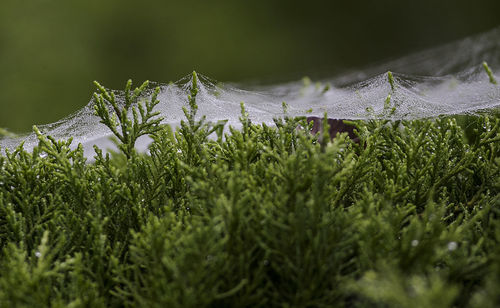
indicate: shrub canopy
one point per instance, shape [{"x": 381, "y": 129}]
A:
[{"x": 258, "y": 217}]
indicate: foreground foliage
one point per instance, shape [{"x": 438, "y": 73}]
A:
[{"x": 261, "y": 217}]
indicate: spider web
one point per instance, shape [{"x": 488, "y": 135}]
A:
[{"x": 447, "y": 80}]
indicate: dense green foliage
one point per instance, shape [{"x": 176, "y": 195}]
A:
[{"x": 260, "y": 217}]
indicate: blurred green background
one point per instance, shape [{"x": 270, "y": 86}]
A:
[{"x": 52, "y": 50}]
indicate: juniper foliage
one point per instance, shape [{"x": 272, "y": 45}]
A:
[{"x": 259, "y": 217}]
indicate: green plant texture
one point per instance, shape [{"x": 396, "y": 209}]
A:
[{"x": 255, "y": 217}]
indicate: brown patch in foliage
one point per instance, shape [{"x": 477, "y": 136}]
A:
[{"x": 336, "y": 126}]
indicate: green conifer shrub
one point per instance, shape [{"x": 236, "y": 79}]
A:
[{"x": 258, "y": 217}]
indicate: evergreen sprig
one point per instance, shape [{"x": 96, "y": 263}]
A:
[{"x": 115, "y": 114}]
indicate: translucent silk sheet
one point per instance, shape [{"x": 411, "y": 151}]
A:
[{"x": 447, "y": 80}]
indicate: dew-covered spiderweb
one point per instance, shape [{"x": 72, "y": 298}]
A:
[{"x": 446, "y": 80}]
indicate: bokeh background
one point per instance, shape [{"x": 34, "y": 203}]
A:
[{"x": 52, "y": 50}]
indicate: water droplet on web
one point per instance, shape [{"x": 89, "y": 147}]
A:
[
  {"x": 452, "y": 246},
  {"x": 414, "y": 243},
  {"x": 38, "y": 254}
]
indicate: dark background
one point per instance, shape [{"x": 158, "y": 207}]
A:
[{"x": 52, "y": 50}]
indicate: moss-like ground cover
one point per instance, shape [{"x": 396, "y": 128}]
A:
[{"x": 261, "y": 217}]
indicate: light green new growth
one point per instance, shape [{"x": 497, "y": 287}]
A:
[
  {"x": 391, "y": 81},
  {"x": 388, "y": 110},
  {"x": 326, "y": 88},
  {"x": 127, "y": 128},
  {"x": 489, "y": 72}
]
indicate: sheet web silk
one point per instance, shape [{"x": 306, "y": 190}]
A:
[{"x": 447, "y": 80}]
